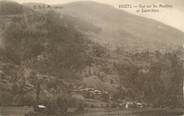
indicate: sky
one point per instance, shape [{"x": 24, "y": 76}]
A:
[{"x": 171, "y": 16}]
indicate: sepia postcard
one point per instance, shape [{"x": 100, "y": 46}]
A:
[{"x": 91, "y": 57}]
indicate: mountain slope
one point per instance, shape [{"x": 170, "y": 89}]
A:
[
  {"x": 10, "y": 8},
  {"x": 121, "y": 29},
  {"x": 64, "y": 59}
]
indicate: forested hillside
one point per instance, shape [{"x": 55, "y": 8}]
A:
[
  {"x": 39, "y": 47},
  {"x": 51, "y": 51}
]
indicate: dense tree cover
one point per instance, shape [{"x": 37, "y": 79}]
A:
[
  {"x": 154, "y": 77},
  {"x": 41, "y": 47}
]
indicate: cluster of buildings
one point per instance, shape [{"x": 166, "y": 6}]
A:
[{"x": 91, "y": 93}]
